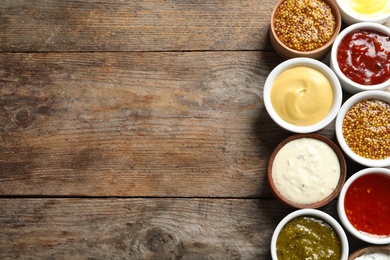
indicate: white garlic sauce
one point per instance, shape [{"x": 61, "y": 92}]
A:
[
  {"x": 306, "y": 170},
  {"x": 374, "y": 256}
]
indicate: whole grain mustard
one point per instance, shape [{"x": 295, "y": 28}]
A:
[
  {"x": 304, "y": 25},
  {"x": 366, "y": 129}
]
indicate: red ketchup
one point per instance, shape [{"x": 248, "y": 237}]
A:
[
  {"x": 367, "y": 204},
  {"x": 364, "y": 57}
]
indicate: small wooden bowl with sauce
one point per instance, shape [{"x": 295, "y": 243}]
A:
[
  {"x": 304, "y": 29},
  {"x": 306, "y": 171},
  {"x": 369, "y": 252}
]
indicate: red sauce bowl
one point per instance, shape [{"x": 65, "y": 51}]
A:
[
  {"x": 363, "y": 205},
  {"x": 360, "y": 56}
]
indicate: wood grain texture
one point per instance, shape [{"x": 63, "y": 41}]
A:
[
  {"x": 151, "y": 25},
  {"x": 137, "y": 130},
  {"x": 136, "y": 124},
  {"x": 56, "y": 25},
  {"x": 140, "y": 228}
]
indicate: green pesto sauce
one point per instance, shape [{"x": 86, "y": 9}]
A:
[{"x": 308, "y": 238}]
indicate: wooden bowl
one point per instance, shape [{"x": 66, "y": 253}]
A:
[
  {"x": 328, "y": 195},
  {"x": 370, "y": 249},
  {"x": 287, "y": 52}
]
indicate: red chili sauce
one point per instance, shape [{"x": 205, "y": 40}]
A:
[
  {"x": 367, "y": 204},
  {"x": 364, "y": 57}
]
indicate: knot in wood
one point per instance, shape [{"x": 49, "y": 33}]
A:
[
  {"x": 159, "y": 241},
  {"x": 22, "y": 117},
  {"x": 164, "y": 244}
]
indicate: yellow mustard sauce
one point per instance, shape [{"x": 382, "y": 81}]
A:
[
  {"x": 369, "y": 7},
  {"x": 302, "y": 96}
]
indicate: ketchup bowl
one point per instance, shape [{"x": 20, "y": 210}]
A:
[
  {"x": 363, "y": 205},
  {"x": 308, "y": 233},
  {"x": 360, "y": 57},
  {"x": 302, "y": 95},
  {"x": 363, "y": 130},
  {"x": 306, "y": 171}
]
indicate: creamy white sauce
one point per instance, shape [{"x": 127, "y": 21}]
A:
[
  {"x": 306, "y": 170},
  {"x": 373, "y": 256}
]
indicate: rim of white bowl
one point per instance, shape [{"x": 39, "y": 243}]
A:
[
  {"x": 313, "y": 63},
  {"x": 334, "y": 64},
  {"x": 347, "y": 10},
  {"x": 318, "y": 214},
  {"x": 372, "y": 94},
  {"x": 340, "y": 207}
]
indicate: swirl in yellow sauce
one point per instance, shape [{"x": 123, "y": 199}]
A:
[{"x": 302, "y": 96}]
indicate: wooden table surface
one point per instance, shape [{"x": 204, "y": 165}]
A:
[{"x": 137, "y": 130}]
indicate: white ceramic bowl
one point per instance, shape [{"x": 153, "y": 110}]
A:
[
  {"x": 317, "y": 214},
  {"x": 346, "y": 83},
  {"x": 341, "y": 212},
  {"x": 350, "y": 16},
  {"x": 381, "y": 95},
  {"x": 319, "y": 66}
]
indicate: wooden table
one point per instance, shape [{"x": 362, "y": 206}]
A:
[{"x": 137, "y": 130}]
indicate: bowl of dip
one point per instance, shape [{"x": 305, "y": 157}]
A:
[
  {"x": 306, "y": 171},
  {"x": 304, "y": 28},
  {"x": 302, "y": 95},
  {"x": 309, "y": 234},
  {"x": 356, "y": 11},
  {"x": 360, "y": 57},
  {"x": 363, "y": 129},
  {"x": 363, "y": 205},
  {"x": 371, "y": 253}
]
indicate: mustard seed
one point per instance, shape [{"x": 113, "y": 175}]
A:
[
  {"x": 366, "y": 129},
  {"x": 304, "y": 25}
]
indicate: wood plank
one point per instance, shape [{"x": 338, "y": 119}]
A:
[
  {"x": 152, "y": 25},
  {"x": 140, "y": 228},
  {"x": 132, "y": 124},
  {"x": 136, "y": 124}
]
